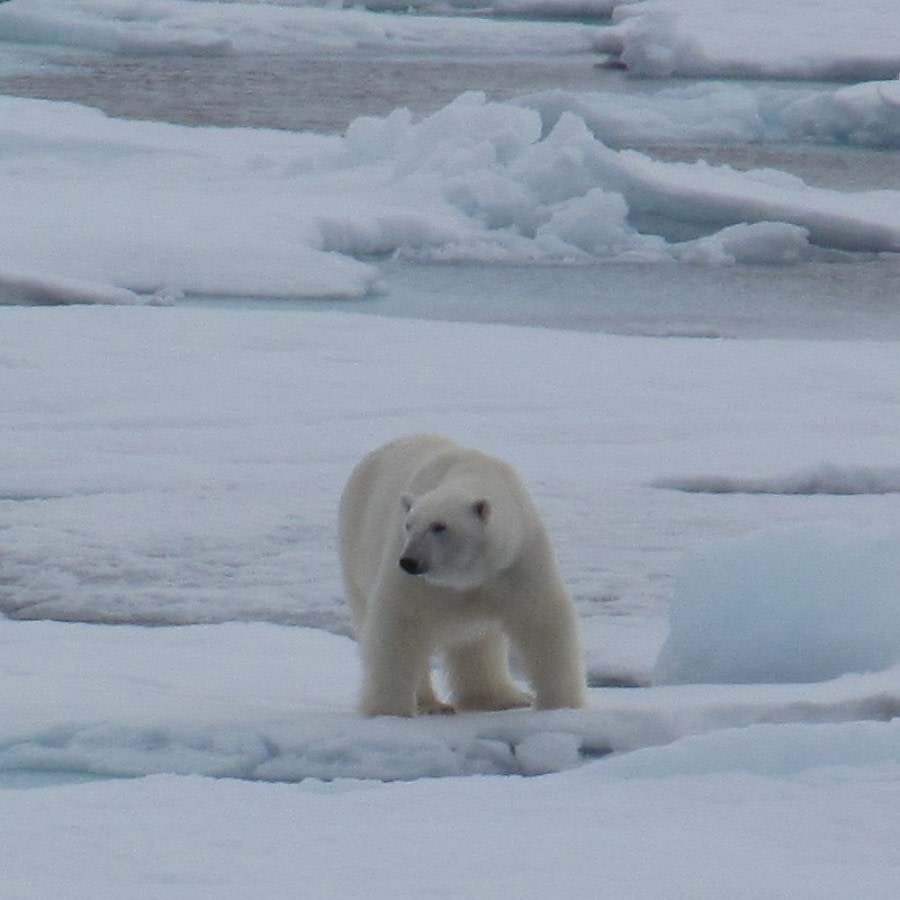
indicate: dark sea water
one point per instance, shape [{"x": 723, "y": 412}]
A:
[{"x": 321, "y": 94}]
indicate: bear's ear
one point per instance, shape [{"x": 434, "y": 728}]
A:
[
  {"x": 407, "y": 501},
  {"x": 482, "y": 509}
]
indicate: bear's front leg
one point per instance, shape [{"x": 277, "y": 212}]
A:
[
  {"x": 395, "y": 658},
  {"x": 552, "y": 656}
]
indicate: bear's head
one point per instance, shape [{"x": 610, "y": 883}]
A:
[{"x": 447, "y": 541}]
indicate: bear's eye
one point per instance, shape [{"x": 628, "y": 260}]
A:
[{"x": 437, "y": 528}]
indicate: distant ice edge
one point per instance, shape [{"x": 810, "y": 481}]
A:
[{"x": 838, "y": 480}]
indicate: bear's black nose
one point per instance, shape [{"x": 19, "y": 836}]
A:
[{"x": 410, "y": 565}]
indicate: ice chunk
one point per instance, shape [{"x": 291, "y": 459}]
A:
[
  {"x": 18, "y": 287},
  {"x": 864, "y": 114},
  {"x": 761, "y": 242},
  {"x": 804, "y": 603}
]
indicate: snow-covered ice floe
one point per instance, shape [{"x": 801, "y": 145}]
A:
[
  {"x": 154, "y": 207},
  {"x": 133, "y": 434},
  {"x": 167, "y": 466},
  {"x": 124, "y": 206},
  {"x": 830, "y": 40},
  {"x": 172, "y": 27},
  {"x": 731, "y": 114}
]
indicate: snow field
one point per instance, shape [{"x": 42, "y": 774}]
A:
[
  {"x": 187, "y": 465},
  {"x": 192, "y": 837},
  {"x": 168, "y": 465},
  {"x": 180, "y": 467},
  {"x": 99, "y": 701},
  {"x": 171, "y": 466}
]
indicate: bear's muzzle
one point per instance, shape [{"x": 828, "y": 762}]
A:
[{"x": 412, "y": 566}]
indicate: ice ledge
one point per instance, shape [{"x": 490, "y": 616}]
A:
[{"x": 330, "y": 746}]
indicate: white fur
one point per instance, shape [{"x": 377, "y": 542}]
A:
[{"x": 483, "y": 575}]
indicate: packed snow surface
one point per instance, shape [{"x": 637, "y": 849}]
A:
[
  {"x": 166, "y": 466},
  {"x": 170, "y": 465},
  {"x": 190, "y": 415}
]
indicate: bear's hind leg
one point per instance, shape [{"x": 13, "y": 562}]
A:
[
  {"x": 479, "y": 675},
  {"x": 428, "y": 702}
]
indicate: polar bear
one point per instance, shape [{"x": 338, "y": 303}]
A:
[{"x": 443, "y": 552}]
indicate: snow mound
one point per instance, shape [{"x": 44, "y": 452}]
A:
[
  {"x": 822, "y": 479},
  {"x": 798, "y": 604},
  {"x": 774, "y": 243}
]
